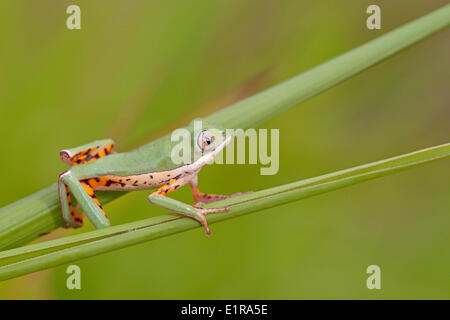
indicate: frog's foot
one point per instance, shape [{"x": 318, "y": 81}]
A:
[
  {"x": 157, "y": 198},
  {"x": 160, "y": 199},
  {"x": 201, "y": 198},
  {"x": 203, "y": 212}
]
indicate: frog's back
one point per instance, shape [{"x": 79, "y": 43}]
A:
[{"x": 152, "y": 157}]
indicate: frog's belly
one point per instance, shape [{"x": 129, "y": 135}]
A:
[{"x": 142, "y": 181}]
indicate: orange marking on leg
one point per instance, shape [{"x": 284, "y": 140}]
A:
[
  {"x": 87, "y": 188},
  {"x": 162, "y": 190},
  {"x": 109, "y": 148},
  {"x": 101, "y": 153},
  {"x": 96, "y": 182},
  {"x": 90, "y": 154},
  {"x": 96, "y": 200},
  {"x": 167, "y": 188},
  {"x": 77, "y": 217},
  {"x": 99, "y": 205},
  {"x": 90, "y": 191},
  {"x": 199, "y": 192}
]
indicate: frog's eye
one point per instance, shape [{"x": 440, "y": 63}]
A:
[{"x": 205, "y": 141}]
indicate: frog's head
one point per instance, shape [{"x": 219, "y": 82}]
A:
[{"x": 208, "y": 139}]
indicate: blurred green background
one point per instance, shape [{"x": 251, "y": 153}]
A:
[{"x": 138, "y": 69}]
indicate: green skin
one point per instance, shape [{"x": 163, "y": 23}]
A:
[{"x": 147, "y": 167}]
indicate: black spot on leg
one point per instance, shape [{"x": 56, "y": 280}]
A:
[
  {"x": 86, "y": 181},
  {"x": 109, "y": 182}
]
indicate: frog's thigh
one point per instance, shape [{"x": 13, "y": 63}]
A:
[
  {"x": 73, "y": 218},
  {"x": 87, "y": 153}
]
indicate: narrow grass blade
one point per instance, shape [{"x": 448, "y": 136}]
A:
[
  {"x": 28, "y": 259},
  {"x": 24, "y": 220}
]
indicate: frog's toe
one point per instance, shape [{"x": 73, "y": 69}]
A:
[
  {"x": 237, "y": 194},
  {"x": 204, "y": 212}
]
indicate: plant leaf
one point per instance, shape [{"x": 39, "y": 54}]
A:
[
  {"x": 28, "y": 218},
  {"x": 24, "y": 260}
]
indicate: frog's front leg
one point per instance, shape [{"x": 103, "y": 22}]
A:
[
  {"x": 159, "y": 199},
  {"x": 84, "y": 194},
  {"x": 200, "y": 197}
]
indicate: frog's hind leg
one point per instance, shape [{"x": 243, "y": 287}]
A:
[
  {"x": 87, "y": 153},
  {"x": 159, "y": 199},
  {"x": 72, "y": 216},
  {"x": 84, "y": 194},
  {"x": 200, "y": 197}
]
